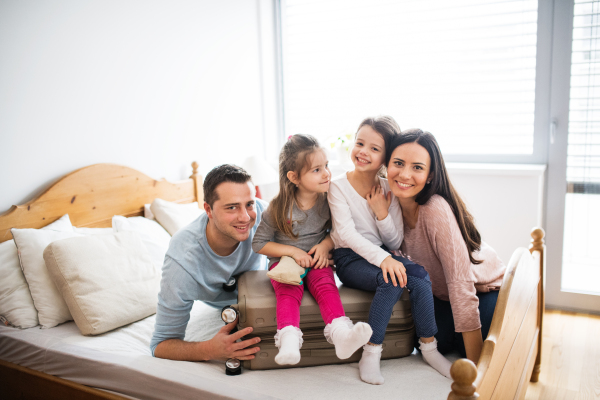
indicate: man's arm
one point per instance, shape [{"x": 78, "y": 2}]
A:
[
  {"x": 221, "y": 347},
  {"x": 175, "y": 302}
]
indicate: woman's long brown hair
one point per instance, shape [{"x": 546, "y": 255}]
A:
[
  {"x": 294, "y": 156},
  {"x": 440, "y": 184}
]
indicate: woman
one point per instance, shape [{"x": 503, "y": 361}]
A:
[{"x": 439, "y": 233}]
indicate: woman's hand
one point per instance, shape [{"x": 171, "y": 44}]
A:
[
  {"x": 320, "y": 255},
  {"x": 302, "y": 258},
  {"x": 396, "y": 270},
  {"x": 379, "y": 202}
]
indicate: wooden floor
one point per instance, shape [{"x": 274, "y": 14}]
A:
[{"x": 570, "y": 357}]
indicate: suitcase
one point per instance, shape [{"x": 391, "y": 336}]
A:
[{"x": 257, "y": 309}]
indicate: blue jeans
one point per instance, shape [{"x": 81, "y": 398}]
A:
[
  {"x": 448, "y": 339},
  {"x": 356, "y": 272}
]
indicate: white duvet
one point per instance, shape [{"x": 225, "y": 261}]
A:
[{"x": 120, "y": 361}]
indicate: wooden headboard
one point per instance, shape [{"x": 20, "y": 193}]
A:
[{"x": 93, "y": 195}]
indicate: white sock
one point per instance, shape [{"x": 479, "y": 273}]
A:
[
  {"x": 347, "y": 338},
  {"x": 368, "y": 366},
  {"x": 433, "y": 357},
  {"x": 288, "y": 340}
]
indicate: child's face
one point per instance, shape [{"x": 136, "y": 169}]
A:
[
  {"x": 316, "y": 177},
  {"x": 368, "y": 152}
]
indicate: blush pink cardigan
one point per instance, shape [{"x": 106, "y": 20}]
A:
[{"x": 437, "y": 244}]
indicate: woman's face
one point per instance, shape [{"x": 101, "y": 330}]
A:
[
  {"x": 368, "y": 152},
  {"x": 409, "y": 170}
]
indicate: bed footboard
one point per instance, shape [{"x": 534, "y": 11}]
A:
[{"x": 511, "y": 354}]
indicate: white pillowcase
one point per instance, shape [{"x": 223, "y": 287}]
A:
[
  {"x": 16, "y": 304},
  {"x": 148, "y": 212},
  {"x": 173, "y": 216},
  {"x": 107, "y": 280},
  {"x": 155, "y": 237},
  {"x": 93, "y": 231},
  {"x": 52, "y": 309}
]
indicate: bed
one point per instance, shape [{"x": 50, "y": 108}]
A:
[{"x": 61, "y": 363}]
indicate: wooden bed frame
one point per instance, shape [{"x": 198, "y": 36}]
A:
[{"x": 511, "y": 354}]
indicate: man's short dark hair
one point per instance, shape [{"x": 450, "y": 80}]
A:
[{"x": 220, "y": 174}]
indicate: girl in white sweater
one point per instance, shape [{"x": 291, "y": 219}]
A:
[{"x": 367, "y": 225}]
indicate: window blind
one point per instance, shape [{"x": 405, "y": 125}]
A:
[
  {"x": 583, "y": 152},
  {"x": 463, "y": 70}
]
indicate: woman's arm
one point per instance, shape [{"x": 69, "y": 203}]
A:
[
  {"x": 473, "y": 344},
  {"x": 451, "y": 250}
]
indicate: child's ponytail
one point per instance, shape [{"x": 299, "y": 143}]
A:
[{"x": 294, "y": 156}]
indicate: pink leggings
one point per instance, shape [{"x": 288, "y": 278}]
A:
[{"x": 321, "y": 285}]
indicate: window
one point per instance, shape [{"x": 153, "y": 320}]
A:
[{"x": 463, "y": 70}]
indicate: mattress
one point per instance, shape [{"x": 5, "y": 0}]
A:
[{"x": 120, "y": 361}]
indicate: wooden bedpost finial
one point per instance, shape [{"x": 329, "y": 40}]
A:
[
  {"x": 194, "y": 168},
  {"x": 537, "y": 239},
  {"x": 464, "y": 373}
]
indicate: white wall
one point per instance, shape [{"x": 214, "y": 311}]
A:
[
  {"x": 150, "y": 84},
  {"x": 505, "y": 200}
]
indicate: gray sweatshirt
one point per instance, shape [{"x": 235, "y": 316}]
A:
[{"x": 310, "y": 226}]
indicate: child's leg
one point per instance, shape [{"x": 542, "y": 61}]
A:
[
  {"x": 288, "y": 338},
  {"x": 288, "y": 298},
  {"x": 339, "y": 331},
  {"x": 356, "y": 272},
  {"x": 422, "y": 305},
  {"x": 321, "y": 284},
  {"x": 360, "y": 274}
]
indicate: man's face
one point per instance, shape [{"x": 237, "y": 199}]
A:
[{"x": 234, "y": 213}]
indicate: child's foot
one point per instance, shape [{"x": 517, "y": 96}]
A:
[
  {"x": 346, "y": 337},
  {"x": 288, "y": 340},
  {"x": 368, "y": 366},
  {"x": 433, "y": 357}
]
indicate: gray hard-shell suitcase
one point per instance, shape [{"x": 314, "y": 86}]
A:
[{"x": 257, "y": 308}]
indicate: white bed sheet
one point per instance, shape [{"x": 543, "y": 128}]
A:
[{"x": 120, "y": 361}]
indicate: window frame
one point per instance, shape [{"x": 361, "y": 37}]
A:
[{"x": 541, "y": 126}]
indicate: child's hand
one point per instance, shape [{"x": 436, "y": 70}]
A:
[
  {"x": 320, "y": 255},
  {"x": 302, "y": 258},
  {"x": 395, "y": 269},
  {"x": 379, "y": 202}
]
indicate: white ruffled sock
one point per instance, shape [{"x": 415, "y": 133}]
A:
[
  {"x": 369, "y": 365},
  {"x": 346, "y": 337},
  {"x": 288, "y": 340},
  {"x": 433, "y": 357}
]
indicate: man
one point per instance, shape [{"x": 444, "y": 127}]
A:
[{"x": 201, "y": 258}]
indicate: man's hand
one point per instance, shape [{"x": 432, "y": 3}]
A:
[
  {"x": 302, "y": 258},
  {"x": 224, "y": 345},
  {"x": 396, "y": 270},
  {"x": 379, "y": 202},
  {"x": 320, "y": 255}
]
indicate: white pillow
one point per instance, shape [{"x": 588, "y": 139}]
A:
[
  {"x": 148, "y": 212},
  {"x": 154, "y": 236},
  {"x": 52, "y": 309},
  {"x": 107, "y": 280},
  {"x": 173, "y": 216},
  {"x": 16, "y": 305},
  {"x": 93, "y": 231}
]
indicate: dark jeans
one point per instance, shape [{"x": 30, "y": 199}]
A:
[
  {"x": 356, "y": 272},
  {"x": 448, "y": 339}
]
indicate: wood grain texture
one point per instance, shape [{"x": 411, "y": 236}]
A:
[
  {"x": 509, "y": 352},
  {"x": 571, "y": 354},
  {"x": 93, "y": 195}
]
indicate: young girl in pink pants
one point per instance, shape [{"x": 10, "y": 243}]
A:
[{"x": 296, "y": 225}]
